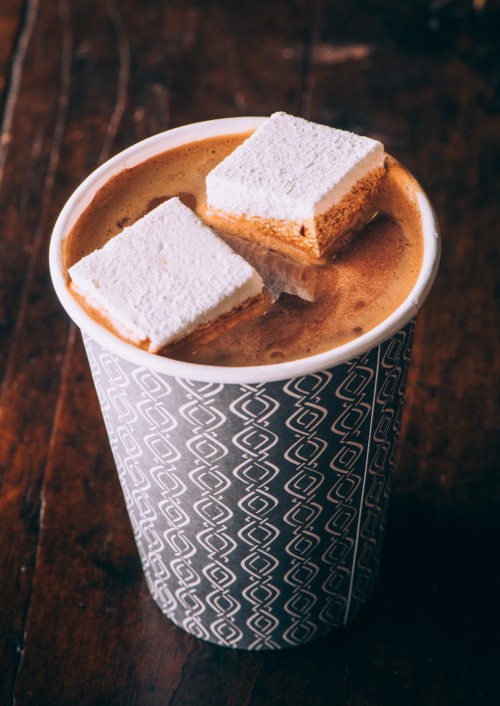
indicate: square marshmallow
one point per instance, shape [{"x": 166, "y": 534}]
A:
[
  {"x": 162, "y": 277},
  {"x": 291, "y": 169}
]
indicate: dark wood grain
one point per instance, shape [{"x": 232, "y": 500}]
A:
[{"x": 80, "y": 81}]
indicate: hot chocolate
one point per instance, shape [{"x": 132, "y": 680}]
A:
[{"x": 316, "y": 306}]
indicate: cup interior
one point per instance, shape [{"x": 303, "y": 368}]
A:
[{"x": 161, "y": 142}]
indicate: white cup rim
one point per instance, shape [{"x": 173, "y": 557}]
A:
[{"x": 141, "y": 151}]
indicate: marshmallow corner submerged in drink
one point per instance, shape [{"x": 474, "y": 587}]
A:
[
  {"x": 164, "y": 277},
  {"x": 300, "y": 185}
]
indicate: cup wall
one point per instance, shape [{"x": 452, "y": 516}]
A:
[{"x": 258, "y": 509}]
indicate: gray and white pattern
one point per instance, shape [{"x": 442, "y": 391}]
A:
[{"x": 258, "y": 510}]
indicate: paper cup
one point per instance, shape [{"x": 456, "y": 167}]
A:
[{"x": 257, "y": 495}]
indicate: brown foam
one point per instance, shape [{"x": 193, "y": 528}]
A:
[{"x": 353, "y": 292}]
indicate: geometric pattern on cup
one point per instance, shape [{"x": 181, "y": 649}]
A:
[{"x": 258, "y": 509}]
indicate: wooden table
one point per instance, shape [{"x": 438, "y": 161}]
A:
[{"x": 80, "y": 80}]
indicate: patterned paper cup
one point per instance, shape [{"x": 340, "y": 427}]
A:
[{"x": 257, "y": 495}]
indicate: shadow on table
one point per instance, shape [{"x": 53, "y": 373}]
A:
[{"x": 427, "y": 636}]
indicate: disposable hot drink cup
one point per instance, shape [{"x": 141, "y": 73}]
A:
[{"x": 257, "y": 495}]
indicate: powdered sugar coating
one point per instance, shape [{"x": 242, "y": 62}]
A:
[
  {"x": 163, "y": 276},
  {"x": 291, "y": 169}
]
